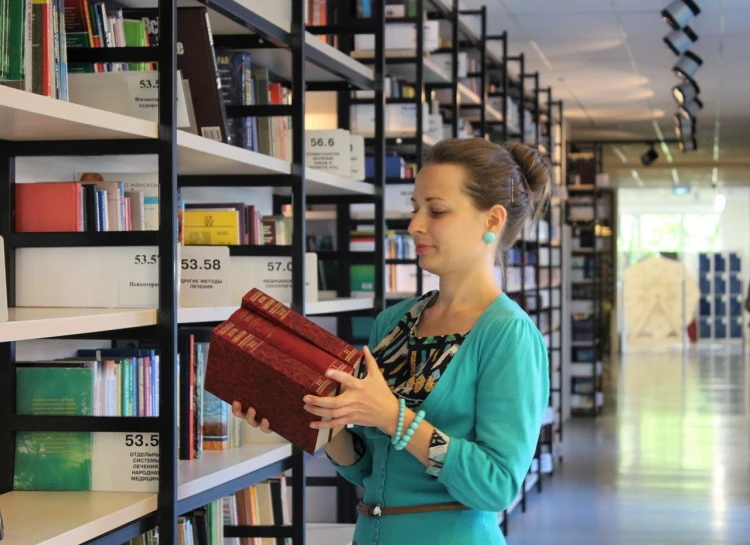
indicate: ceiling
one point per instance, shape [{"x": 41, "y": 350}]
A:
[{"x": 607, "y": 61}]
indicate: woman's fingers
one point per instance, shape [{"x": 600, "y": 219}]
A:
[{"x": 249, "y": 416}]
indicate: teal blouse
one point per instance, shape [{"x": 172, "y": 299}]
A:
[{"x": 489, "y": 402}]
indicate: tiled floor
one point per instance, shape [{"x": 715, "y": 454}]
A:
[{"x": 668, "y": 464}]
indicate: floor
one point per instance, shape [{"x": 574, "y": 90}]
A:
[{"x": 668, "y": 463}]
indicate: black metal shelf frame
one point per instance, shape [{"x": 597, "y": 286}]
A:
[{"x": 168, "y": 335}]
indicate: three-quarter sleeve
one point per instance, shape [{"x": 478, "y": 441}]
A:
[{"x": 486, "y": 473}]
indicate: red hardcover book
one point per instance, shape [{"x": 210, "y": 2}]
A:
[
  {"x": 286, "y": 341},
  {"x": 280, "y": 314},
  {"x": 48, "y": 207},
  {"x": 243, "y": 367}
]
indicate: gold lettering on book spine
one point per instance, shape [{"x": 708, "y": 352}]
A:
[{"x": 320, "y": 385}]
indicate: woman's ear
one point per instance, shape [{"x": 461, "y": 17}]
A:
[{"x": 496, "y": 218}]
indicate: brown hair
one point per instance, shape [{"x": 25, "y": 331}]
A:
[{"x": 513, "y": 175}]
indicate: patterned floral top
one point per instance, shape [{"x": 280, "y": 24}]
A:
[{"x": 412, "y": 366}]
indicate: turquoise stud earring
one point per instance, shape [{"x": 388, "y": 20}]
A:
[{"x": 489, "y": 237}]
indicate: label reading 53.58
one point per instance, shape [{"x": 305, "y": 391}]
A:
[{"x": 141, "y": 440}]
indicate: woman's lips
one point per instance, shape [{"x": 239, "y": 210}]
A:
[{"x": 423, "y": 248}]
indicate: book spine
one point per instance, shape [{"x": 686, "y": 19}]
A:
[
  {"x": 282, "y": 315},
  {"x": 288, "y": 342}
]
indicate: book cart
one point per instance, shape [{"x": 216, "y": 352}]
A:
[{"x": 35, "y": 126}]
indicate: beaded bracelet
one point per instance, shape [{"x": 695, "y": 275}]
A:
[
  {"x": 408, "y": 435},
  {"x": 400, "y": 425}
]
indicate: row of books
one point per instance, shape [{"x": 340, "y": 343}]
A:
[
  {"x": 232, "y": 224},
  {"x": 392, "y": 88},
  {"x": 97, "y": 25},
  {"x": 267, "y": 503},
  {"x": 83, "y": 207},
  {"x": 397, "y": 244},
  {"x": 33, "y": 51}
]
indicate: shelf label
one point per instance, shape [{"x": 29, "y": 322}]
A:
[
  {"x": 139, "y": 278},
  {"x": 205, "y": 278},
  {"x": 125, "y": 462},
  {"x": 329, "y": 151}
]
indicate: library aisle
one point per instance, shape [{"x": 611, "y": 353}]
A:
[{"x": 667, "y": 463}]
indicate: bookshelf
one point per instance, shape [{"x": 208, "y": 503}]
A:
[
  {"x": 589, "y": 212},
  {"x": 36, "y": 127}
]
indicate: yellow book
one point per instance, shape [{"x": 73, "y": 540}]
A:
[{"x": 212, "y": 227}]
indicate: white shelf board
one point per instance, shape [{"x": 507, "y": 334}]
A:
[
  {"x": 201, "y": 156},
  {"x": 191, "y": 315},
  {"x": 322, "y": 533},
  {"x": 26, "y": 323},
  {"x": 77, "y": 517},
  {"x": 221, "y": 466},
  {"x": 28, "y": 116},
  {"x": 63, "y": 518}
]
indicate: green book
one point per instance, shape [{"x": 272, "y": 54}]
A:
[{"x": 54, "y": 460}]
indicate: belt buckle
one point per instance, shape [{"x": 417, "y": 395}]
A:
[{"x": 376, "y": 511}]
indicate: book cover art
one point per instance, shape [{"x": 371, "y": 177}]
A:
[{"x": 54, "y": 460}]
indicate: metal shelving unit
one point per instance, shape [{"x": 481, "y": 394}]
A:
[{"x": 52, "y": 128}]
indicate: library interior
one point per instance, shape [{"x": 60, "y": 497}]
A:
[{"x": 254, "y": 261}]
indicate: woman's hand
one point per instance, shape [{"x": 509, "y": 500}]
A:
[
  {"x": 249, "y": 416},
  {"x": 365, "y": 402}
]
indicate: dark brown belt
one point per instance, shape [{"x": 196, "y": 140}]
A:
[{"x": 379, "y": 510}]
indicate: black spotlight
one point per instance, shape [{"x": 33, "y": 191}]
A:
[
  {"x": 679, "y": 13},
  {"x": 679, "y": 41},
  {"x": 685, "y": 92},
  {"x": 687, "y": 65},
  {"x": 649, "y": 156},
  {"x": 688, "y": 144},
  {"x": 683, "y": 128},
  {"x": 690, "y": 109}
]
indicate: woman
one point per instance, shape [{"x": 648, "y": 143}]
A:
[{"x": 446, "y": 422}]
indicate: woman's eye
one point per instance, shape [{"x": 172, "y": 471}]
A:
[{"x": 437, "y": 213}]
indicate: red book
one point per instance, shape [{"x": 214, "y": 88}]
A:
[
  {"x": 287, "y": 342},
  {"x": 282, "y": 315},
  {"x": 46, "y": 207},
  {"x": 243, "y": 367}
]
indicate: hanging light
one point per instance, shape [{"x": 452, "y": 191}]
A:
[
  {"x": 679, "y": 13},
  {"x": 689, "y": 144},
  {"x": 680, "y": 41},
  {"x": 687, "y": 65},
  {"x": 689, "y": 110},
  {"x": 685, "y": 92},
  {"x": 683, "y": 127}
]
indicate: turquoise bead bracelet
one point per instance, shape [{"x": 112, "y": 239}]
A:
[
  {"x": 410, "y": 432},
  {"x": 400, "y": 425}
]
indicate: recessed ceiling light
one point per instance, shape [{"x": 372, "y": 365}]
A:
[
  {"x": 689, "y": 110},
  {"x": 687, "y": 65},
  {"x": 679, "y": 13},
  {"x": 680, "y": 41},
  {"x": 685, "y": 92}
]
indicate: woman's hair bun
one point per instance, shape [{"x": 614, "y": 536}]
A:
[{"x": 537, "y": 174}]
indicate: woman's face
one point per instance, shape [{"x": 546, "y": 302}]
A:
[{"x": 446, "y": 227}]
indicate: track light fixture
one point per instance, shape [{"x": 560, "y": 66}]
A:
[
  {"x": 685, "y": 92},
  {"x": 649, "y": 156},
  {"x": 687, "y": 65},
  {"x": 679, "y": 41},
  {"x": 688, "y": 144},
  {"x": 679, "y": 13},
  {"x": 690, "y": 109},
  {"x": 683, "y": 128}
]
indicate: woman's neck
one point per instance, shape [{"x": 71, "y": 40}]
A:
[{"x": 467, "y": 291}]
